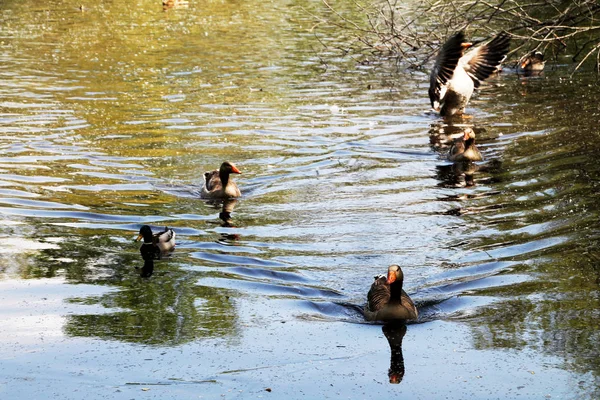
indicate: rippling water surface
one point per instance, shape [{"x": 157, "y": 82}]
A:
[{"x": 109, "y": 117}]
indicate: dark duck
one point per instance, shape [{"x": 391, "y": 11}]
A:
[
  {"x": 387, "y": 301},
  {"x": 155, "y": 244}
]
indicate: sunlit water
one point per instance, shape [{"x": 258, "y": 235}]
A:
[{"x": 111, "y": 115}]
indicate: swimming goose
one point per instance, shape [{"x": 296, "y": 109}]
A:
[
  {"x": 155, "y": 244},
  {"x": 464, "y": 148},
  {"x": 387, "y": 301},
  {"x": 455, "y": 75},
  {"x": 218, "y": 185},
  {"x": 531, "y": 63}
]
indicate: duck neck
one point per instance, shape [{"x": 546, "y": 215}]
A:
[
  {"x": 224, "y": 175},
  {"x": 468, "y": 143},
  {"x": 396, "y": 290}
]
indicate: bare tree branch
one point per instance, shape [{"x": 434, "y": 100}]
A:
[{"x": 413, "y": 33}]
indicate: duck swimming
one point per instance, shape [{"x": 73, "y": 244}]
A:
[
  {"x": 218, "y": 185},
  {"x": 464, "y": 148},
  {"x": 531, "y": 63},
  {"x": 456, "y": 75},
  {"x": 155, "y": 244},
  {"x": 387, "y": 301}
]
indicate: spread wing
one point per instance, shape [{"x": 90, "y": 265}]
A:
[
  {"x": 379, "y": 294},
  {"x": 482, "y": 61},
  {"x": 445, "y": 64}
]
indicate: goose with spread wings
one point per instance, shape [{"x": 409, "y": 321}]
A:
[{"x": 456, "y": 75}]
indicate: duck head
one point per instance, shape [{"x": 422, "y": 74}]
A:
[
  {"x": 533, "y": 60},
  {"x": 145, "y": 233},
  {"x": 228, "y": 168},
  {"x": 468, "y": 134},
  {"x": 395, "y": 274},
  {"x": 465, "y": 45}
]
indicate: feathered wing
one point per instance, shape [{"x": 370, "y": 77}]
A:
[
  {"x": 379, "y": 294},
  {"x": 409, "y": 305},
  {"x": 482, "y": 61},
  {"x": 212, "y": 180},
  {"x": 458, "y": 147},
  {"x": 165, "y": 236},
  {"x": 443, "y": 69}
]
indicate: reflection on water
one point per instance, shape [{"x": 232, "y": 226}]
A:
[
  {"x": 225, "y": 214},
  {"x": 394, "y": 333},
  {"x": 110, "y": 116},
  {"x": 147, "y": 269}
]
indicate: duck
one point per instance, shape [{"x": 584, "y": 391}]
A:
[
  {"x": 218, "y": 185},
  {"x": 455, "y": 75},
  {"x": 531, "y": 63},
  {"x": 155, "y": 244},
  {"x": 464, "y": 149},
  {"x": 387, "y": 301},
  {"x": 175, "y": 3}
]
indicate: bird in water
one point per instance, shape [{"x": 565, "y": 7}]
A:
[
  {"x": 532, "y": 63},
  {"x": 464, "y": 149},
  {"x": 387, "y": 301},
  {"x": 218, "y": 183},
  {"x": 456, "y": 75},
  {"x": 155, "y": 244}
]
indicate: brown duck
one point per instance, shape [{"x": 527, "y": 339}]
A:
[
  {"x": 387, "y": 301},
  {"x": 464, "y": 148},
  {"x": 219, "y": 185},
  {"x": 531, "y": 63},
  {"x": 456, "y": 75}
]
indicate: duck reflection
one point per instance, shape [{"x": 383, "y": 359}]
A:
[
  {"x": 394, "y": 333},
  {"x": 441, "y": 136},
  {"x": 458, "y": 174},
  {"x": 225, "y": 214},
  {"x": 148, "y": 269}
]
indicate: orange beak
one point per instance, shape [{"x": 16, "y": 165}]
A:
[
  {"x": 466, "y": 135},
  {"x": 466, "y": 45},
  {"x": 391, "y": 278},
  {"x": 235, "y": 170},
  {"x": 525, "y": 63}
]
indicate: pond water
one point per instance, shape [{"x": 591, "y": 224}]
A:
[{"x": 111, "y": 114}]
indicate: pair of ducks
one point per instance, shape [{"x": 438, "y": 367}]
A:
[{"x": 217, "y": 185}]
